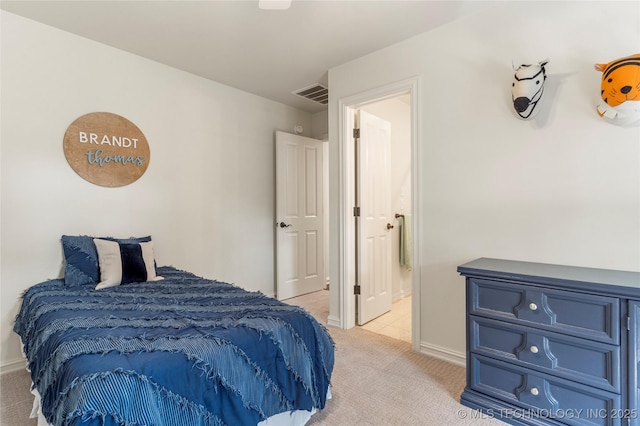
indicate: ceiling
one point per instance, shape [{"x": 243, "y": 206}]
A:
[{"x": 270, "y": 53}]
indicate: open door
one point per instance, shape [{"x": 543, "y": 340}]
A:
[
  {"x": 374, "y": 221},
  {"x": 299, "y": 215}
]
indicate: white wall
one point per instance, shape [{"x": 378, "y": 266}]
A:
[
  {"x": 207, "y": 197},
  {"x": 320, "y": 125},
  {"x": 562, "y": 189}
]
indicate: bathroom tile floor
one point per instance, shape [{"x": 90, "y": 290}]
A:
[{"x": 395, "y": 323}]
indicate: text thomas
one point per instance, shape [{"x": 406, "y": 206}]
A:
[{"x": 121, "y": 141}]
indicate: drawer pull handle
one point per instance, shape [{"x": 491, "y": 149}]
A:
[
  {"x": 533, "y": 306},
  {"x": 534, "y": 391},
  {"x": 534, "y": 349}
]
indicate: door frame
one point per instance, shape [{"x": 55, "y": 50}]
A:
[{"x": 346, "y": 221}]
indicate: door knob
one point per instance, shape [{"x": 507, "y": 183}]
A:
[
  {"x": 389, "y": 226},
  {"x": 284, "y": 225}
]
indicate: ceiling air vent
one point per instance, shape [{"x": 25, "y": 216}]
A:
[{"x": 316, "y": 93}]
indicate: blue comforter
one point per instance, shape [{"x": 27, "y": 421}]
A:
[{"x": 185, "y": 351}]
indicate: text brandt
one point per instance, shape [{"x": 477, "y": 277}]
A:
[{"x": 120, "y": 141}]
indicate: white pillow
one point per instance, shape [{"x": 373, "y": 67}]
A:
[{"x": 123, "y": 263}]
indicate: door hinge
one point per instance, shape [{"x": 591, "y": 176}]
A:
[
  {"x": 356, "y": 289},
  {"x": 356, "y": 211},
  {"x": 628, "y": 323},
  {"x": 356, "y": 133}
]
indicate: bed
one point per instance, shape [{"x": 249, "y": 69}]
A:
[{"x": 174, "y": 349}]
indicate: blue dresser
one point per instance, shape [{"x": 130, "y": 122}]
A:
[{"x": 551, "y": 344}]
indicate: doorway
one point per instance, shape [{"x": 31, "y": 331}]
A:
[{"x": 346, "y": 299}]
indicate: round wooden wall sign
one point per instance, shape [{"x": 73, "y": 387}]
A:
[{"x": 106, "y": 149}]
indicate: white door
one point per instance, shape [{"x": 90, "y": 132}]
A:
[
  {"x": 374, "y": 222},
  {"x": 299, "y": 215}
]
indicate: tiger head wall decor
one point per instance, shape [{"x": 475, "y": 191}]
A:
[
  {"x": 527, "y": 88},
  {"x": 620, "y": 90}
]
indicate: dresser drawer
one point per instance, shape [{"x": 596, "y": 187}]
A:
[
  {"x": 577, "y": 314},
  {"x": 585, "y": 361},
  {"x": 547, "y": 396}
]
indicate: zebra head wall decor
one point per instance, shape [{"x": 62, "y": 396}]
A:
[
  {"x": 620, "y": 90},
  {"x": 527, "y": 88}
]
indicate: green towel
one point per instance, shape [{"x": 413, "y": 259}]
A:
[{"x": 405, "y": 241}]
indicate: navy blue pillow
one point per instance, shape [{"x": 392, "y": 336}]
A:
[
  {"x": 82, "y": 258},
  {"x": 133, "y": 266}
]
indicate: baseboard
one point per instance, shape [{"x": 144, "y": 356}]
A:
[
  {"x": 10, "y": 367},
  {"x": 445, "y": 354},
  {"x": 334, "y": 322},
  {"x": 401, "y": 295}
]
